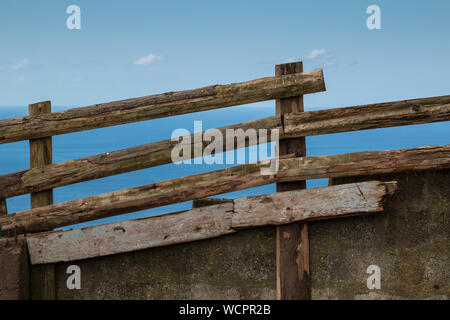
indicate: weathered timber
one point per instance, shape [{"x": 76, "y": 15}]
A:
[
  {"x": 365, "y": 163},
  {"x": 160, "y": 105},
  {"x": 222, "y": 181},
  {"x": 209, "y": 222},
  {"x": 3, "y": 207},
  {"x": 310, "y": 204},
  {"x": 41, "y": 155},
  {"x": 159, "y": 153},
  {"x": 292, "y": 256},
  {"x": 135, "y": 199},
  {"x": 116, "y": 162},
  {"x": 199, "y": 203},
  {"x": 379, "y": 115},
  {"x": 130, "y": 235}
]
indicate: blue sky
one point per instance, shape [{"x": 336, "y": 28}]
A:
[
  {"x": 189, "y": 44},
  {"x": 198, "y": 43}
]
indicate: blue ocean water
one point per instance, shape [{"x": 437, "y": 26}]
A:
[{"x": 15, "y": 156}]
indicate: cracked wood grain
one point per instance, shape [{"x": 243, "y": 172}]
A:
[
  {"x": 222, "y": 181},
  {"x": 158, "y": 153},
  {"x": 209, "y": 222},
  {"x": 160, "y": 105},
  {"x": 289, "y": 237}
]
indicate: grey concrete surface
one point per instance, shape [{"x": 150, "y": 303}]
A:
[
  {"x": 237, "y": 266},
  {"x": 409, "y": 242},
  {"x": 14, "y": 269}
]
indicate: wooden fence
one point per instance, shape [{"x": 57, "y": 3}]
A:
[{"x": 289, "y": 208}]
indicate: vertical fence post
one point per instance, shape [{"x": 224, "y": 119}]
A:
[
  {"x": 41, "y": 155},
  {"x": 293, "y": 277},
  {"x": 3, "y": 208}
]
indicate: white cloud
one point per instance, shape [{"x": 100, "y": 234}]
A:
[
  {"x": 291, "y": 59},
  {"x": 315, "y": 53},
  {"x": 15, "y": 66},
  {"x": 148, "y": 59},
  {"x": 20, "y": 64}
]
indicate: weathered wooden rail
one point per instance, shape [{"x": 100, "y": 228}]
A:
[
  {"x": 160, "y": 105},
  {"x": 222, "y": 181},
  {"x": 290, "y": 203},
  {"x": 292, "y": 125},
  {"x": 209, "y": 222}
]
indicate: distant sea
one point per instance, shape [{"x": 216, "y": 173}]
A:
[{"x": 15, "y": 156}]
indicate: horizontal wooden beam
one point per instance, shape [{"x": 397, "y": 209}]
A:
[
  {"x": 112, "y": 163},
  {"x": 205, "y": 202},
  {"x": 364, "y": 163},
  {"x": 130, "y": 235},
  {"x": 372, "y": 116},
  {"x": 222, "y": 181},
  {"x": 209, "y": 222},
  {"x": 310, "y": 204},
  {"x": 379, "y": 115},
  {"x": 160, "y": 106}
]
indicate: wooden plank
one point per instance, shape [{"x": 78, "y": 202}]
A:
[
  {"x": 371, "y": 116},
  {"x": 365, "y": 163},
  {"x": 205, "y": 202},
  {"x": 222, "y": 181},
  {"x": 3, "y": 208},
  {"x": 291, "y": 283},
  {"x": 208, "y": 222},
  {"x": 112, "y": 163},
  {"x": 196, "y": 224},
  {"x": 41, "y": 155},
  {"x": 134, "y": 199},
  {"x": 159, "y": 153},
  {"x": 311, "y": 204},
  {"x": 160, "y": 105}
]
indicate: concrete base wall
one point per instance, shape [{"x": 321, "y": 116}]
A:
[
  {"x": 409, "y": 242},
  {"x": 237, "y": 266}
]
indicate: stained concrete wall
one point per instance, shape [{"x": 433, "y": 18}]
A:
[
  {"x": 236, "y": 266},
  {"x": 409, "y": 242},
  {"x": 14, "y": 269}
]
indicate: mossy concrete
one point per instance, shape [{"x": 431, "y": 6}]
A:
[
  {"x": 236, "y": 266},
  {"x": 408, "y": 241},
  {"x": 14, "y": 269}
]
